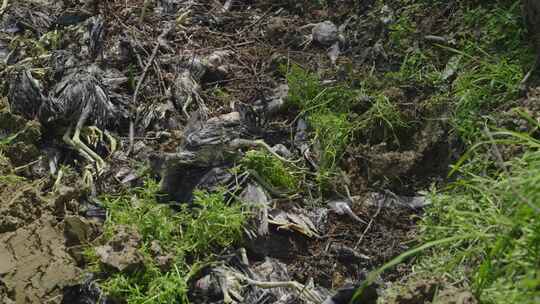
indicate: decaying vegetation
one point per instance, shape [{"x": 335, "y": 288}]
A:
[{"x": 269, "y": 152}]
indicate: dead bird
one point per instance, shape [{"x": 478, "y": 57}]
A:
[
  {"x": 80, "y": 98},
  {"x": 207, "y": 144},
  {"x": 531, "y": 16}
]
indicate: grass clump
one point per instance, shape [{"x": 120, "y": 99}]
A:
[
  {"x": 502, "y": 262},
  {"x": 272, "y": 170},
  {"x": 332, "y": 132},
  {"x": 191, "y": 236},
  {"x": 481, "y": 67},
  {"x": 327, "y": 111},
  {"x": 493, "y": 53},
  {"x": 384, "y": 115},
  {"x": 308, "y": 94},
  {"x": 334, "y": 119}
]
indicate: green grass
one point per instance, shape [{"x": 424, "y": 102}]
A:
[
  {"x": 329, "y": 112},
  {"x": 192, "y": 236},
  {"x": 273, "y": 170},
  {"x": 493, "y": 55},
  {"x": 489, "y": 58},
  {"x": 482, "y": 231},
  {"x": 384, "y": 115},
  {"x": 502, "y": 209},
  {"x": 326, "y": 110}
]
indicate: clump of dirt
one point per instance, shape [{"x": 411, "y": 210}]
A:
[
  {"x": 121, "y": 253},
  {"x": 431, "y": 151},
  {"x": 21, "y": 204},
  {"x": 34, "y": 263}
]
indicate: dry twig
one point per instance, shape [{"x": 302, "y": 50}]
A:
[{"x": 140, "y": 82}]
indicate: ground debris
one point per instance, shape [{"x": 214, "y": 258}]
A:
[
  {"x": 255, "y": 197},
  {"x": 236, "y": 281},
  {"x": 294, "y": 220}
]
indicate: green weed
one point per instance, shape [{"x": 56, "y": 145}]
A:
[
  {"x": 327, "y": 111},
  {"x": 485, "y": 83},
  {"x": 382, "y": 114},
  {"x": 418, "y": 67},
  {"x": 402, "y": 31},
  {"x": 272, "y": 170},
  {"x": 332, "y": 132},
  {"x": 332, "y": 120},
  {"x": 190, "y": 235},
  {"x": 307, "y": 94}
]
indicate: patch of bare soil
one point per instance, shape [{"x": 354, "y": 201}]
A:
[
  {"x": 35, "y": 264},
  {"x": 348, "y": 249}
]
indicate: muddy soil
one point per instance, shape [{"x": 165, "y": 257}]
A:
[{"x": 35, "y": 264}]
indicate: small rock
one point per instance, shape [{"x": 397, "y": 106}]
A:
[
  {"x": 122, "y": 252},
  {"x": 164, "y": 262},
  {"x": 325, "y": 33},
  {"x": 76, "y": 230},
  {"x": 155, "y": 248},
  {"x": 65, "y": 194}
]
